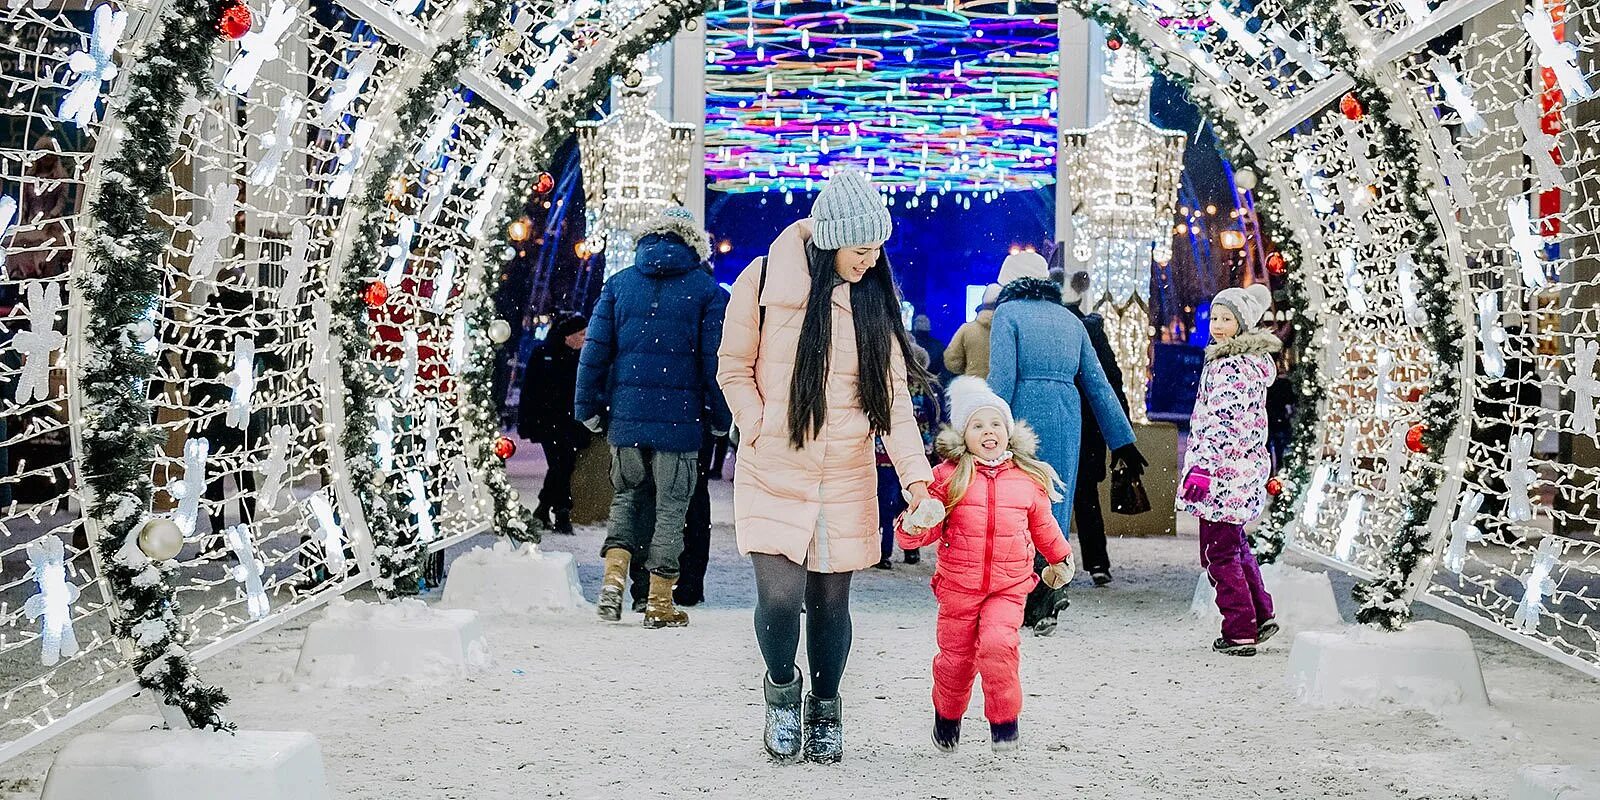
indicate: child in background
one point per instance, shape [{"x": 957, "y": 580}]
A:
[
  {"x": 996, "y": 495},
  {"x": 925, "y": 405},
  {"x": 1228, "y": 464}
]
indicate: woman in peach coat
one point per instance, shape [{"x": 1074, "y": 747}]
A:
[{"x": 812, "y": 364}]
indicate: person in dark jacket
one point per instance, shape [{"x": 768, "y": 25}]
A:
[
  {"x": 545, "y": 416},
  {"x": 646, "y": 375},
  {"x": 922, "y": 334}
]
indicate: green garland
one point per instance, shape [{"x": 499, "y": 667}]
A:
[
  {"x": 1385, "y": 601},
  {"x": 1295, "y": 476},
  {"x": 511, "y": 518},
  {"x": 389, "y": 523},
  {"x": 122, "y": 284}
]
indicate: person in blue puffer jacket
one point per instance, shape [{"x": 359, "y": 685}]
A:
[{"x": 648, "y": 377}]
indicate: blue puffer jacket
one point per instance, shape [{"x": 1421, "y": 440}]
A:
[{"x": 649, "y": 367}]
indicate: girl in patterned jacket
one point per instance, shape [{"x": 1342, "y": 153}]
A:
[
  {"x": 1228, "y": 465},
  {"x": 990, "y": 509}
]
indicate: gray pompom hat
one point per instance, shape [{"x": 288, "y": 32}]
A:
[{"x": 849, "y": 212}]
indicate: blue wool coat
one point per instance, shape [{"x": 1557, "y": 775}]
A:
[
  {"x": 1040, "y": 357},
  {"x": 649, "y": 366}
]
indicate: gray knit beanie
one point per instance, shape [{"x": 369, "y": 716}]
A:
[{"x": 849, "y": 212}]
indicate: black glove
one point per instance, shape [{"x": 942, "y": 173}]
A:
[{"x": 1131, "y": 458}]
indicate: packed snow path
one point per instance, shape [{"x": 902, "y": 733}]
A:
[{"x": 1126, "y": 701}]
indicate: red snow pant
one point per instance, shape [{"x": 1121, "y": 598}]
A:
[{"x": 977, "y": 635}]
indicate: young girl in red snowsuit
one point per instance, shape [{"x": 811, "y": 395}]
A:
[{"x": 996, "y": 497}]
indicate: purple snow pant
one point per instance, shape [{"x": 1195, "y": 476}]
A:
[{"x": 1241, "y": 597}]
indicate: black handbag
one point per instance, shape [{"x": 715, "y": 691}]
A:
[{"x": 1127, "y": 491}]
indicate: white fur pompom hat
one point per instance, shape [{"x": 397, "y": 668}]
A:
[
  {"x": 967, "y": 394},
  {"x": 1248, "y": 305}
]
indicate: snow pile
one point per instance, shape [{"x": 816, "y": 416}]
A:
[
  {"x": 363, "y": 644},
  {"x": 1428, "y": 665},
  {"x": 135, "y": 759},
  {"x": 1557, "y": 783},
  {"x": 524, "y": 580},
  {"x": 1301, "y": 599}
]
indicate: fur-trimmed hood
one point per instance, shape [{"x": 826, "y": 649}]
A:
[
  {"x": 682, "y": 227},
  {"x": 1254, "y": 341},
  {"x": 952, "y": 444},
  {"x": 1030, "y": 289}
]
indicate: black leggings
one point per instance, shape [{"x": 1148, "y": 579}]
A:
[{"x": 781, "y": 587}]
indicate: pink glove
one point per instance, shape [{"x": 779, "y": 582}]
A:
[{"x": 1196, "y": 485}]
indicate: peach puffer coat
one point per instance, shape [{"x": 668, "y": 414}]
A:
[{"x": 818, "y": 505}]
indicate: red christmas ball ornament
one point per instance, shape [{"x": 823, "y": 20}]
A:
[
  {"x": 1414, "y": 395},
  {"x": 1113, "y": 44},
  {"x": 235, "y": 21},
  {"x": 544, "y": 184},
  {"x": 1276, "y": 265},
  {"x": 504, "y": 447},
  {"x": 1274, "y": 486},
  {"x": 376, "y": 294},
  {"x": 1351, "y": 107},
  {"x": 1414, "y": 438}
]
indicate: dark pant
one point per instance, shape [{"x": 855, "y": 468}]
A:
[
  {"x": 562, "y": 457},
  {"x": 781, "y": 587},
  {"x": 648, "y": 481},
  {"x": 890, "y": 504},
  {"x": 1231, "y": 565},
  {"x": 696, "y": 541},
  {"x": 1044, "y": 601}
]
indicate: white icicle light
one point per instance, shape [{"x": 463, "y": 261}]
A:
[
  {"x": 1354, "y": 284},
  {"x": 485, "y": 160},
  {"x": 247, "y": 570},
  {"x": 1458, "y": 94},
  {"x": 410, "y": 363},
  {"x": 1406, "y": 273},
  {"x": 1519, "y": 478},
  {"x": 1347, "y": 452},
  {"x": 1349, "y": 527},
  {"x": 1385, "y": 385},
  {"x": 8, "y": 216},
  {"x": 242, "y": 380},
  {"x": 458, "y": 342},
  {"x": 332, "y": 535},
  {"x": 440, "y": 191},
  {"x": 1315, "y": 496},
  {"x": 211, "y": 231},
  {"x": 1491, "y": 335},
  {"x": 444, "y": 282},
  {"x": 39, "y": 341},
  {"x": 1464, "y": 531},
  {"x": 317, "y": 368},
  {"x": 257, "y": 48},
  {"x": 1526, "y": 242},
  {"x": 440, "y": 131},
  {"x": 1236, "y": 30},
  {"x": 274, "y": 468},
  {"x": 1537, "y": 145},
  {"x": 52, "y": 605},
  {"x": 94, "y": 66},
  {"x": 349, "y": 158},
  {"x": 383, "y": 432},
  {"x": 430, "y": 432},
  {"x": 1538, "y": 584},
  {"x": 1315, "y": 185},
  {"x": 295, "y": 265},
  {"x": 420, "y": 507},
  {"x": 1557, "y": 56},
  {"x": 1585, "y": 387},
  {"x": 278, "y": 142},
  {"x": 346, "y": 88},
  {"x": 188, "y": 489},
  {"x": 400, "y": 251}
]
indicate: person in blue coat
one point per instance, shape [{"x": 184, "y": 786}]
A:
[
  {"x": 648, "y": 377},
  {"x": 1041, "y": 362}
]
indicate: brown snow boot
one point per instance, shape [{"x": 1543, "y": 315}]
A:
[
  {"x": 659, "y": 612},
  {"x": 609, "y": 606}
]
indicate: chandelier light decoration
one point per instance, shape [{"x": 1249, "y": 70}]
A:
[
  {"x": 935, "y": 99},
  {"x": 1123, "y": 175},
  {"x": 635, "y": 164}
]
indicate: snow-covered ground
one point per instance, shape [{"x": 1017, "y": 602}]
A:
[{"x": 1126, "y": 701}]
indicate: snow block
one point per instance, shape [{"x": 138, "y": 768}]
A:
[
  {"x": 134, "y": 759},
  {"x": 1557, "y": 783},
  {"x": 1428, "y": 665},
  {"x": 360, "y": 643},
  {"x": 524, "y": 580},
  {"x": 1302, "y": 599}
]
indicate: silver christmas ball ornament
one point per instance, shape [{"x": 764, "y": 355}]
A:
[
  {"x": 160, "y": 539},
  {"x": 1245, "y": 179},
  {"x": 500, "y": 331}
]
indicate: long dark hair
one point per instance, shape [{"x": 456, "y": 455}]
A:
[{"x": 875, "y": 306}]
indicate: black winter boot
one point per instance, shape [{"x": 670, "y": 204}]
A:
[
  {"x": 782, "y": 733},
  {"x": 542, "y": 513},
  {"x": 1003, "y": 736},
  {"x": 824, "y": 731},
  {"x": 946, "y": 733},
  {"x": 563, "y": 523}
]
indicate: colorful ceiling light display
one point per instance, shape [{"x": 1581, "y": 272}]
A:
[{"x": 931, "y": 99}]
